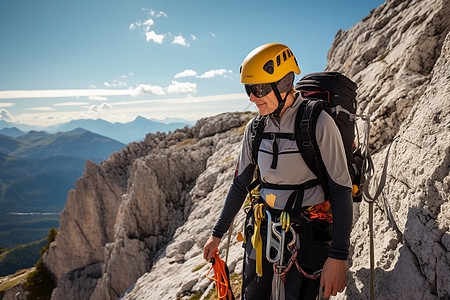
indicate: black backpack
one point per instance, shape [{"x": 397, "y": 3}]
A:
[{"x": 335, "y": 94}]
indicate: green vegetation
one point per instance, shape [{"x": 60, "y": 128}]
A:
[
  {"x": 240, "y": 129},
  {"x": 76, "y": 143},
  {"x": 227, "y": 159},
  {"x": 212, "y": 294},
  {"x": 41, "y": 282},
  {"x": 198, "y": 267},
  {"x": 20, "y": 257},
  {"x": 196, "y": 296},
  {"x": 187, "y": 142},
  {"x": 22, "y": 229},
  {"x": 33, "y": 186},
  {"x": 13, "y": 280},
  {"x": 378, "y": 100}
]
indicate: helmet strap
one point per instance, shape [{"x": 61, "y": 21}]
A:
[{"x": 281, "y": 101}]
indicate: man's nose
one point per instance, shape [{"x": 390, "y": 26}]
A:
[{"x": 253, "y": 97}]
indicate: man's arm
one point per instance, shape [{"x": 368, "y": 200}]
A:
[
  {"x": 236, "y": 195},
  {"x": 334, "y": 273}
]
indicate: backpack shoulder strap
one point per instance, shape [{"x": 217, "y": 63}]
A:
[
  {"x": 257, "y": 130},
  {"x": 305, "y": 128}
]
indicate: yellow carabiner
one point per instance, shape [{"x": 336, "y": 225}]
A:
[{"x": 286, "y": 219}]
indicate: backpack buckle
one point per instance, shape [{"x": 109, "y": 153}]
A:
[
  {"x": 272, "y": 136},
  {"x": 304, "y": 124}
]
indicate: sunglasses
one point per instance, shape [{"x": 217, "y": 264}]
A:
[{"x": 260, "y": 90}]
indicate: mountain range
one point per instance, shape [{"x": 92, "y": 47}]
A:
[
  {"x": 78, "y": 143},
  {"x": 37, "y": 169},
  {"x": 134, "y": 131}
]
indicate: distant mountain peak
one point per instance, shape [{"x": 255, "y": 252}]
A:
[{"x": 12, "y": 132}]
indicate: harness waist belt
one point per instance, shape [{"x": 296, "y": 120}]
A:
[{"x": 307, "y": 185}]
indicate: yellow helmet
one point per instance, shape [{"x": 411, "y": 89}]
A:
[{"x": 268, "y": 63}]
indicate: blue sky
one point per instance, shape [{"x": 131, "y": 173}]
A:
[{"x": 117, "y": 59}]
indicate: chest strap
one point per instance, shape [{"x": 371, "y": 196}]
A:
[
  {"x": 307, "y": 185},
  {"x": 273, "y": 136}
]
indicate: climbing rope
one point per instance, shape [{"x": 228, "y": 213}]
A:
[{"x": 220, "y": 277}]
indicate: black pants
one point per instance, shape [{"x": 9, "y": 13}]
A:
[{"x": 311, "y": 256}]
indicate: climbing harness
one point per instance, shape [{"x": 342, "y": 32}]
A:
[{"x": 221, "y": 277}]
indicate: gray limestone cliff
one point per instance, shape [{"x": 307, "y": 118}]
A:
[
  {"x": 137, "y": 222},
  {"x": 123, "y": 211},
  {"x": 400, "y": 57}
]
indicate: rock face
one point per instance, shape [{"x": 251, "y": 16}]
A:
[
  {"x": 400, "y": 58},
  {"x": 138, "y": 221},
  {"x": 123, "y": 211},
  {"x": 391, "y": 54}
]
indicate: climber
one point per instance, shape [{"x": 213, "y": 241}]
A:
[{"x": 286, "y": 183}]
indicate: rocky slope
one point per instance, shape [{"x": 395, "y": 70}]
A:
[
  {"x": 138, "y": 221},
  {"x": 123, "y": 211}
]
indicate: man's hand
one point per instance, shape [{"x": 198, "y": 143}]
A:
[
  {"x": 334, "y": 277},
  {"x": 210, "y": 246}
]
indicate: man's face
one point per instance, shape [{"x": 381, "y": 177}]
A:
[{"x": 267, "y": 104}]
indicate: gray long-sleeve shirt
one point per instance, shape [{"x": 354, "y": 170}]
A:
[{"x": 292, "y": 170}]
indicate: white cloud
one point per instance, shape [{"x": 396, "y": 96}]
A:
[
  {"x": 127, "y": 75},
  {"x": 143, "y": 89},
  {"x": 5, "y": 115},
  {"x": 157, "y": 15},
  {"x": 18, "y": 94},
  {"x": 186, "y": 73},
  {"x": 91, "y": 86},
  {"x": 180, "y": 40},
  {"x": 212, "y": 34},
  {"x": 5, "y": 104},
  {"x": 146, "y": 24},
  {"x": 115, "y": 83},
  {"x": 102, "y": 107},
  {"x": 214, "y": 73},
  {"x": 186, "y": 107},
  {"x": 43, "y": 108},
  {"x": 182, "y": 87},
  {"x": 98, "y": 98},
  {"x": 95, "y": 94},
  {"x": 153, "y": 36},
  {"x": 72, "y": 103}
]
